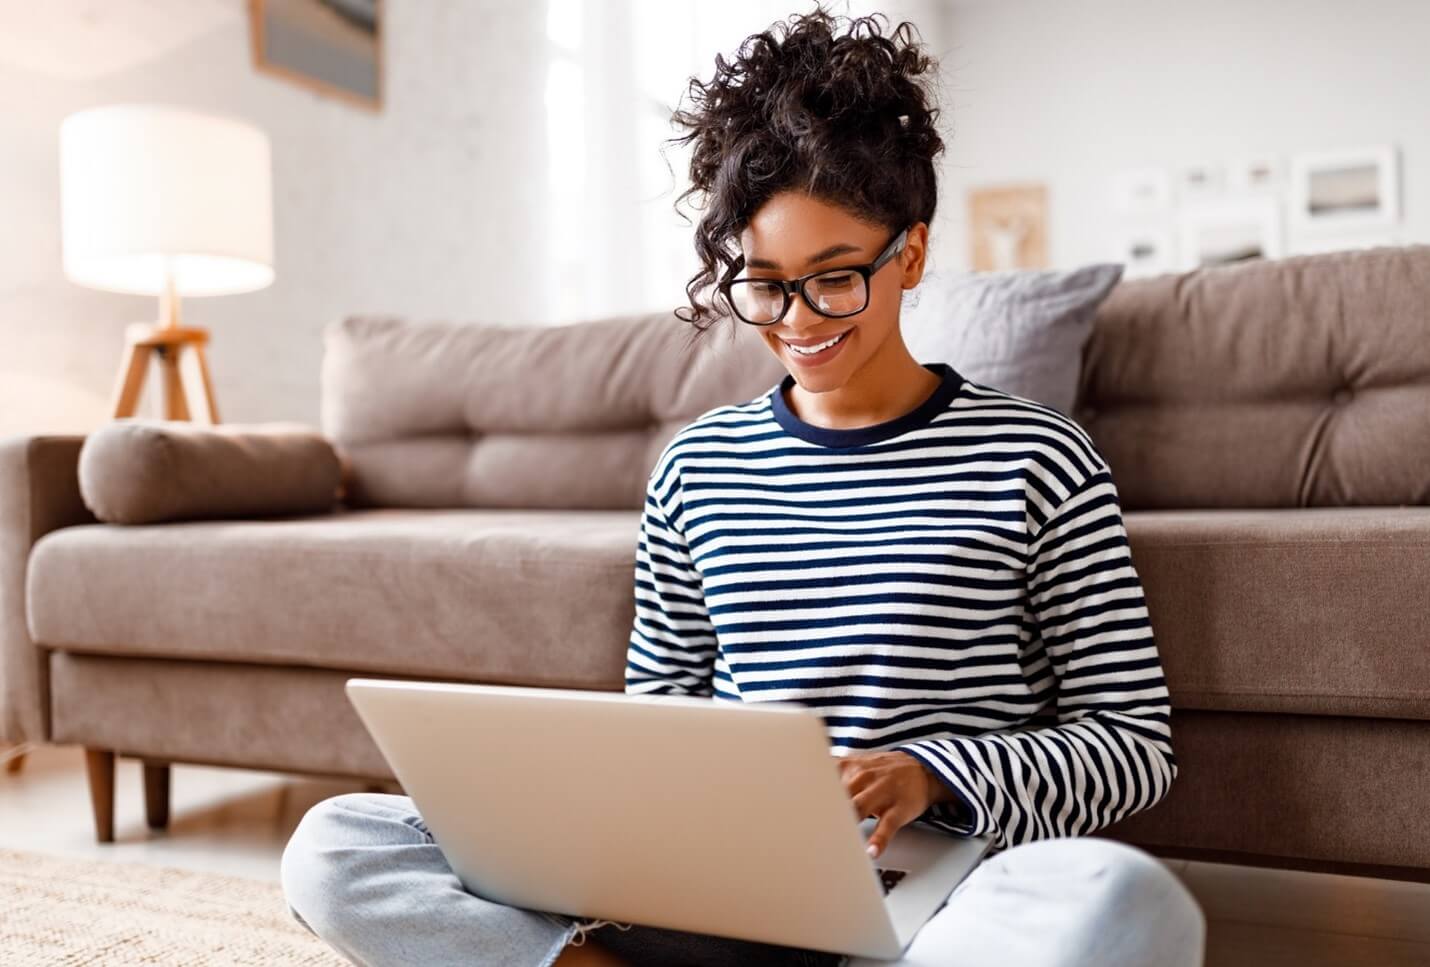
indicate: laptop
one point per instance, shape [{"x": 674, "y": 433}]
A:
[{"x": 687, "y": 813}]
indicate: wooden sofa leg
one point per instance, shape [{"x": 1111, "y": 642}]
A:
[
  {"x": 99, "y": 764},
  {"x": 156, "y": 794},
  {"x": 14, "y": 757}
]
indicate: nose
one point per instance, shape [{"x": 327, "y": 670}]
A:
[{"x": 800, "y": 318}]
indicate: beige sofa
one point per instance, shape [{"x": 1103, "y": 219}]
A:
[{"x": 1267, "y": 423}]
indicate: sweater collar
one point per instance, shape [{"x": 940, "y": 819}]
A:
[{"x": 921, "y": 415}]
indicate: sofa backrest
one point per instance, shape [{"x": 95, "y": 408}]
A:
[
  {"x": 1296, "y": 382},
  {"x": 438, "y": 414}
]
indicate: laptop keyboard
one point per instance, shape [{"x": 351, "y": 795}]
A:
[{"x": 890, "y": 878}]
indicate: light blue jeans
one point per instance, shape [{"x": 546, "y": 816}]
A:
[{"x": 363, "y": 872}]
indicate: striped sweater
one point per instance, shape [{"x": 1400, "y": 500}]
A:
[{"x": 955, "y": 583}]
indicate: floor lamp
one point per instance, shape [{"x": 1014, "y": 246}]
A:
[{"x": 164, "y": 201}]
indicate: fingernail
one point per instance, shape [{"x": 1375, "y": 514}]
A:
[{"x": 872, "y": 850}]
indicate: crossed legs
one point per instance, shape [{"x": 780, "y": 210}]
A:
[{"x": 363, "y": 872}]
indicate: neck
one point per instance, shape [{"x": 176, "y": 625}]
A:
[{"x": 889, "y": 384}]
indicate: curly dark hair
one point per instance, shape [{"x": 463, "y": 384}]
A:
[{"x": 848, "y": 118}]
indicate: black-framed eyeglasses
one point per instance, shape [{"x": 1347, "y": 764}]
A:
[{"x": 833, "y": 293}]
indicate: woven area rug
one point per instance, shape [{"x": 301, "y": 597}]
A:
[{"x": 62, "y": 911}]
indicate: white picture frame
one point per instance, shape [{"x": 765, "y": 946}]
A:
[
  {"x": 1196, "y": 182},
  {"x": 1144, "y": 251},
  {"x": 1256, "y": 173},
  {"x": 1221, "y": 231},
  {"x": 1142, "y": 191},
  {"x": 1345, "y": 190}
]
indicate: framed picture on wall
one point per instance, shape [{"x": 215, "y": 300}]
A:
[
  {"x": 332, "y": 47},
  {"x": 1261, "y": 173},
  {"x": 1229, "y": 230},
  {"x": 1142, "y": 191},
  {"x": 1201, "y": 180},
  {"x": 1008, "y": 227},
  {"x": 1145, "y": 251},
  {"x": 1348, "y": 189}
]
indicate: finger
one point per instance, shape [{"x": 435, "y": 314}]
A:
[
  {"x": 888, "y": 825},
  {"x": 857, "y": 779},
  {"x": 870, "y": 802}
]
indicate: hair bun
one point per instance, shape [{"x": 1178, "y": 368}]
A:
[{"x": 848, "y": 117}]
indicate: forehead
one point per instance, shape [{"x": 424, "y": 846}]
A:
[{"x": 791, "y": 229}]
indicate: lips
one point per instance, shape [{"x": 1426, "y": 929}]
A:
[{"x": 811, "y": 360}]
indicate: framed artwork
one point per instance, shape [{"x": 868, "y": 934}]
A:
[
  {"x": 1198, "y": 181},
  {"x": 1145, "y": 251},
  {"x": 1264, "y": 173},
  {"x": 1348, "y": 189},
  {"x": 1229, "y": 230},
  {"x": 1142, "y": 191},
  {"x": 332, "y": 47},
  {"x": 1008, "y": 227}
]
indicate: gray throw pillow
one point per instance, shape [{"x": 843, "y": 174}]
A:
[{"x": 1018, "y": 330}]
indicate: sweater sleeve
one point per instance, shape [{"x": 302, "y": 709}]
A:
[
  {"x": 672, "y": 645},
  {"x": 1109, "y": 753}
]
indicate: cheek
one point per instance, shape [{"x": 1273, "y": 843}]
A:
[
  {"x": 886, "y": 301},
  {"x": 878, "y": 321}
]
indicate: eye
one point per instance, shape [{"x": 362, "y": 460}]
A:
[
  {"x": 762, "y": 287},
  {"x": 837, "y": 281}
]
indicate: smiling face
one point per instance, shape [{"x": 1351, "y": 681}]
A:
[{"x": 793, "y": 235}]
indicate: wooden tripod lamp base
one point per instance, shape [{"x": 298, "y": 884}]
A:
[{"x": 168, "y": 343}]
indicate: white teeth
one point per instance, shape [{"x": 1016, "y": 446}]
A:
[{"x": 811, "y": 350}]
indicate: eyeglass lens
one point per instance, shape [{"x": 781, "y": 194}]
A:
[{"x": 835, "y": 293}]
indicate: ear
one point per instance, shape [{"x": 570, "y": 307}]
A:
[{"x": 914, "y": 255}]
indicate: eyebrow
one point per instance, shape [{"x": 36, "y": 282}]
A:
[{"x": 824, "y": 255}]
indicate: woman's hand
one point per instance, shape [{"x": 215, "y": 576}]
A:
[{"x": 892, "y": 785}]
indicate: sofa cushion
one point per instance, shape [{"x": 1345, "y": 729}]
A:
[
  {"x": 446, "y": 414},
  {"x": 1296, "y": 382},
  {"x": 1316, "y": 611},
  {"x": 536, "y": 597},
  {"x": 142, "y": 471},
  {"x": 1319, "y": 610}
]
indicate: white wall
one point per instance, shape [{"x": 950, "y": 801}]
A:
[
  {"x": 1069, "y": 91},
  {"x": 438, "y": 207},
  {"x": 428, "y": 209}
]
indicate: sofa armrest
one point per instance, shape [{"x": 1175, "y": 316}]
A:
[{"x": 39, "y": 493}]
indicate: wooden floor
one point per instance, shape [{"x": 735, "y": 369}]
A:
[{"x": 235, "y": 821}]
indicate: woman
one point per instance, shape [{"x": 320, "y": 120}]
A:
[{"x": 938, "y": 567}]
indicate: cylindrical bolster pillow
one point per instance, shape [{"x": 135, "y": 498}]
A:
[{"x": 140, "y": 471}]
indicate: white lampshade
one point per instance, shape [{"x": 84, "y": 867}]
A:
[{"x": 147, "y": 189}]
